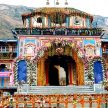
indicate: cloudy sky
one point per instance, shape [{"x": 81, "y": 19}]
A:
[{"x": 97, "y": 7}]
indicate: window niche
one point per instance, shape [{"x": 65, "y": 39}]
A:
[{"x": 39, "y": 20}]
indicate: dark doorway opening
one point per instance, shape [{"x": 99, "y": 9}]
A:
[
  {"x": 2, "y": 67},
  {"x": 61, "y": 60}
]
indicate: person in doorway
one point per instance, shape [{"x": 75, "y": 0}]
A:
[{"x": 61, "y": 74}]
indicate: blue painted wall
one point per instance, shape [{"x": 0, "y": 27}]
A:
[
  {"x": 22, "y": 71},
  {"x": 98, "y": 74}
]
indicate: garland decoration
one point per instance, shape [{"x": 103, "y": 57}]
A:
[
  {"x": 91, "y": 68},
  {"x": 31, "y": 71},
  {"x": 62, "y": 43}
]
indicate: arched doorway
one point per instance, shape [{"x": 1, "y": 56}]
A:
[
  {"x": 66, "y": 58},
  {"x": 66, "y": 64}
]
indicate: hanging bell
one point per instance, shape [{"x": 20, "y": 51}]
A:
[
  {"x": 57, "y": 3},
  {"x": 47, "y": 3},
  {"x": 66, "y": 3}
]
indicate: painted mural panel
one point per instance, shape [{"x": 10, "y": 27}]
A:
[
  {"x": 29, "y": 47},
  {"x": 89, "y": 47}
]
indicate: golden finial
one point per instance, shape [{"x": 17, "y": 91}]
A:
[
  {"x": 57, "y": 3},
  {"x": 47, "y": 2},
  {"x": 66, "y": 2}
]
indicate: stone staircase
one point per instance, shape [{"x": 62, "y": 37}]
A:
[{"x": 46, "y": 90}]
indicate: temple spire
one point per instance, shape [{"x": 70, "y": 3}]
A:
[
  {"x": 47, "y": 2},
  {"x": 66, "y": 2}
]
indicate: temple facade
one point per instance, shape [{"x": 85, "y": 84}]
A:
[
  {"x": 56, "y": 47},
  {"x": 57, "y": 60}
]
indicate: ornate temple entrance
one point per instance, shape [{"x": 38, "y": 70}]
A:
[
  {"x": 60, "y": 66},
  {"x": 56, "y": 64},
  {"x": 61, "y": 70}
]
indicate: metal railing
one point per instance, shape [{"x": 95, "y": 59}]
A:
[
  {"x": 57, "y": 101},
  {"x": 6, "y": 49}
]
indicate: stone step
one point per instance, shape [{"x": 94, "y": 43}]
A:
[{"x": 59, "y": 89}]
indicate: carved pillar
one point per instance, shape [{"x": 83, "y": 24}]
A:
[
  {"x": 31, "y": 22},
  {"x": 39, "y": 73},
  {"x": 24, "y": 22},
  {"x": 43, "y": 71},
  {"x": 79, "y": 69},
  {"x": 70, "y": 73},
  {"x": 11, "y": 79},
  {"x": 46, "y": 69}
]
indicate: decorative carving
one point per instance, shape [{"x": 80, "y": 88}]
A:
[{"x": 59, "y": 51}]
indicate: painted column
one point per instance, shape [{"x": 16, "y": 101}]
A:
[
  {"x": 2, "y": 79},
  {"x": 24, "y": 22},
  {"x": 39, "y": 73},
  {"x": 49, "y": 21},
  {"x": 83, "y": 21},
  {"x": 80, "y": 72},
  {"x": 43, "y": 21},
  {"x": 87, "y": 22},
  {"x": 67, "y": 21},
  {"x": 71, "y": 20},
  {"x": 47, "y": 76},
  {"x": 71, "y": 74},
  {"x": 30, "y": 22},
  {"x": 11, "y": 79},
  {"x": 43, "y": 71},
  {"x": 11, "y": 75}
]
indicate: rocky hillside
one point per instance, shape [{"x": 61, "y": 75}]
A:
[
  {"x": 100, "y": 21},
  {"x": 10, "y": 17}
]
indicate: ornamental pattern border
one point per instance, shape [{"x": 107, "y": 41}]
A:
[
  {"x": 91, "y": 69},
  {"x": 71, "y": 43},
  {"x": 31, "y": 71}
]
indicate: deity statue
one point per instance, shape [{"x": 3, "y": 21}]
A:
[{"x": 61, "y": 74}]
